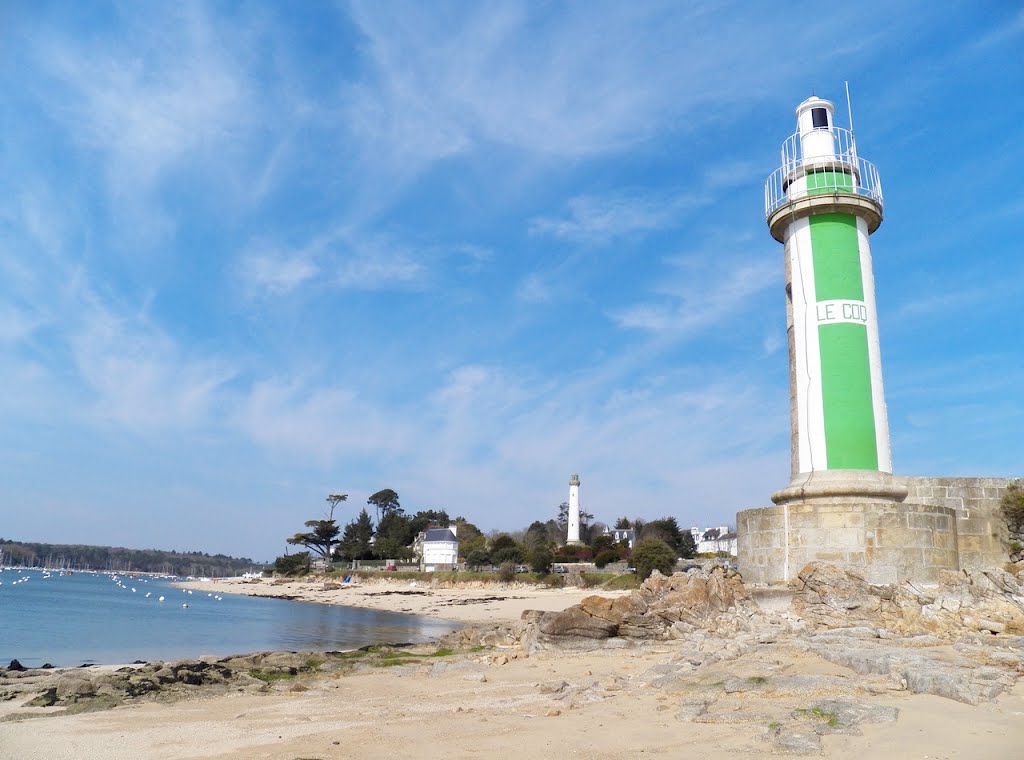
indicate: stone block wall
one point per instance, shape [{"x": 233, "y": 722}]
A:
[
  {"x": 981, "y": 529},
  {"x": 883, "y": 541}
]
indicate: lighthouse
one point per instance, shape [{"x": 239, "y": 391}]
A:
[
  {"x": 823, "y": 203},
  {"x": 843, "y": 505},
  {"x": 573, "y": 532}
]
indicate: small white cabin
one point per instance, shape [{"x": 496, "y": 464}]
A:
[{"x": 438, "y": 548}]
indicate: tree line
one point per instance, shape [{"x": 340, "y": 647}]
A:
[
  {"x": 120, "y": 559},
  {"x": 538, "y": 547}
]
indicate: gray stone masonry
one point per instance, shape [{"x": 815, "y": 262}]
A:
[{"x": 942, "y": 524}]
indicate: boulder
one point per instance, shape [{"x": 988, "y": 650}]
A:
[
  {"x": 576, "y": 622},
  {"x": 970, "y": 600},
  {"x": 664, "y": 607}
]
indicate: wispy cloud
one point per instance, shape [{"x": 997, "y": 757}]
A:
[
  {"x": 534, "y": 288},
  {"x": 345, "y": 259},
  {"x": 172, "y": 96},
  {"x": 702, "y": 291},
  {"x": 602, "y": 219},
  {"x": 275, "y": 272},
  {"x": 139, "y": 377}
]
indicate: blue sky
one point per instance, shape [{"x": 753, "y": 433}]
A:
[{"x": 255, "y": 253}]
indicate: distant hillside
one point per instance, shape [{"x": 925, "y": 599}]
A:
[{"x": 115, "y": 558}]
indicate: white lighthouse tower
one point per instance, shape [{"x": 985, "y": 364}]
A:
[
  {"x": 823, "y": 203},
  {"x": 842, "y": 504},
  {"x": 573, "y": 532}
]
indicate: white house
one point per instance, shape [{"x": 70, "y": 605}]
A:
[
  {"x": 715, "y": 540},
  {"x": 622, "y": 534},
  {"x": 438, "y": 548}
]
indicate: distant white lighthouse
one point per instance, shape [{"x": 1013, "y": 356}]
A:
[{"x": 573, "y": 533}]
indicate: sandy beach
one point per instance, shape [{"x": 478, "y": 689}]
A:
[
  {"x": 634, "y": 700},
  {"x": 471, "y": 604}
]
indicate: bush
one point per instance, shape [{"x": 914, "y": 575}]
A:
[
  {"x": 540, "y": 560},
  {"x": 1012, "y": 506},
  {"x": 605, "y": 557},
  {"x": 508, "y": 554},
  {"x": 292, "y": 564},
  {"x": 653, "y": 554},
  {"x": 507, "y": 572}
]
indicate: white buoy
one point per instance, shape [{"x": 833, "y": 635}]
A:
[
  {"x": 160, "y": 599},
  {"x": 185, "y": 604}
]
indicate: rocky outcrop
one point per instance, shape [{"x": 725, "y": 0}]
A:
[
  {"x": 965, "y": 601},
  {"x": 90, "y": 688},
  {"x": 664, "y": 607}
]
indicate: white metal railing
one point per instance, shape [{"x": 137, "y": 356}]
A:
[{"x": 817, "y": 163}]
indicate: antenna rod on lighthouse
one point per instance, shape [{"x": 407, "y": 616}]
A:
[{"x": 849, "y": 109}]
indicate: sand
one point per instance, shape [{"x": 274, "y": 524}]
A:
[
  {"x": 498, "y": 705},
  {"x": 464, "y": 605}
]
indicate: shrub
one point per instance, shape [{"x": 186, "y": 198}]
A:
[
  {"x": 507, "y": 572},
  {"x": 608, "y": 555},
  {"x": 540, "y": 560},
  {"x": 511, "y": 554},
  {"x": 292, "y": 564},
  {"x": 551, "y": 580},
  {"x": 653, "y": 554},
  {"x": 1012, "y": 506}
]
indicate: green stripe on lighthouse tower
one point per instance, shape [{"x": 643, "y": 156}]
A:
[
  {"x": 849, "y": 419},
  {"x": 823, "y": 203}
]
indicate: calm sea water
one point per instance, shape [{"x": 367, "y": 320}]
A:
[{"x": 89, "y": 618}]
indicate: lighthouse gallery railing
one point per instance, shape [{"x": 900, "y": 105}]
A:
[{"x": 839, "y": 171}]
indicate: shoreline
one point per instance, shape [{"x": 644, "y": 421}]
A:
[
  {"x": 693, "y": 666},
  {"x": 472, "y": 603}
]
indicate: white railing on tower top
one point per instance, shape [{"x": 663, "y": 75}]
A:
[{"x": 834, "y": 167}]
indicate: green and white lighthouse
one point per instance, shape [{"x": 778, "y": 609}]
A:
[
  {"x": 843, "y": 505},
  {"x": 823, "y": 202}
]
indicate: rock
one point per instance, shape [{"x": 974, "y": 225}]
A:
[
  {"x": 553, "y": 687},
  {"x": 664, "y": 607},
  {"x": 576, "y": 622},
  {"x": 991, "y": 625},
  {"x": 842, "y": 716},
  {"x": 47, "y": 699},
  {"x": 552, "y": 713},
  {"x": 990, "y": 600},
  {"x": 794, "y": 741},
  {"x": 690, "y": 710},
  {"x": 70, "y": 688},
  {"x": 16, "y": 666}
]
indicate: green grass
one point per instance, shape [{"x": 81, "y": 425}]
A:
[
  {"x": 757, "y": 680},
  {"x": 830, "y": 719},
  {"x": 388, "y": 658},
  {"x": 624, "y": 582},
  {"x": 271, "y": 676}
]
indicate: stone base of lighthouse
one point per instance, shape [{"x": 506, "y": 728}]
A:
[
  {"x": 854, "y": 519},
  {"x": 910, "y": 529}
]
